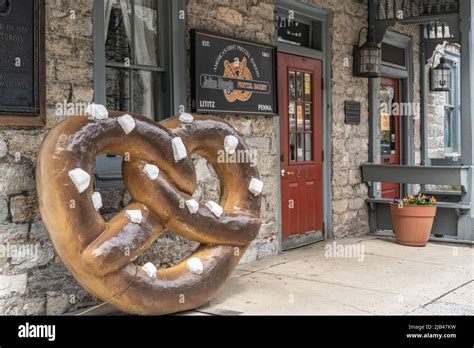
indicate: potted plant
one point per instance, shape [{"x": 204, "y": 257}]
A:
[{"x": 413, "y": 218}]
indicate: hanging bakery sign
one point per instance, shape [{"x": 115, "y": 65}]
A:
[{"x": 232, "y": 76}]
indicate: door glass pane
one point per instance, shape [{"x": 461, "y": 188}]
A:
[
  {"x": 291, "y": 85},
  {"x": 145, "y": 93},
  {"x": 307, "y": 87},
  {"x": 309, "y": 147},
  {"x": 300, "y": 147},
  {"x": 118, "y": 31},
  {"x": 299, "y": 86},
  {"x": 393, "y": 140},
  {"x": 300, "y": 117},
  {"x": 308, "y": 117},
  {"x": 293, "y": 147},
  {"x": 146, "y": 33},
  {"x": 292, "y": 116},
  {"x": 386, "y": 124},
  {"x": 448, "y": 128},
  {"x": 117, "y": 89}
]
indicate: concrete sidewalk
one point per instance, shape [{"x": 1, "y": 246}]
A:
[{"x": 379, "y": 278}]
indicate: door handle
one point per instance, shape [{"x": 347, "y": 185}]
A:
[{"x": 284, "y": 173}]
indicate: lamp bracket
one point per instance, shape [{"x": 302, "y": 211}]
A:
[{"x": 380, "y": 29}]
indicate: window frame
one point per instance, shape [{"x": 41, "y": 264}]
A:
[
  {"x": 172, "y": 38},
  {"x": 315, "y": 30},
  {"x": 453, "y": 59}
]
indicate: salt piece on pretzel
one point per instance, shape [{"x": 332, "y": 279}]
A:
[
  {"x": 256, "y": 186},
  {"x": 186, "y": 118},
  {"x": 194, "y": 265},
  {"x": 97, "y": 200},
  {"x": 151, "y": 171},
  {"x": 215, "y": 208},
  {"x": 230, "y": 144},
  {"x": 80, "y": 178},
  {"x": 134, "y": 215},
  {"x": 193, "y": 206},
  {"x": 97, "y": 111},
  {"x": 127, "y": 123},
  {"x": 150, "y": 269},
  {"x": 179, "y": 150}
]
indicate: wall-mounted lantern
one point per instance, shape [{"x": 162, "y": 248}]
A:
[
  {"x": 440, "y": 75},
  {"x": 367, "y": 58}
]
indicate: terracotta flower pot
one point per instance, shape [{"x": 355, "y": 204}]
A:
[{"x": 412, "y": 224}]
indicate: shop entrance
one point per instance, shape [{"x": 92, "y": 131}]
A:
[
  {"x": 389, "y": 130},
  {"x": 301, "y": 148}
]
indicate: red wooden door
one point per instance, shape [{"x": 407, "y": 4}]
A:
[
  {"x": 389, "y": 131},
  {"x": 301, "y": 156}
]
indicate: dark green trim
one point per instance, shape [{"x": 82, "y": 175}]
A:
[
  {"x": 99, "y": 53},
  {"x": 416, "y": 174},
  {"x": 466, "y": 224},
  {"x": 179, "y": 56}
]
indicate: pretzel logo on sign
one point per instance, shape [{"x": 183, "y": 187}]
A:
[
  {"x": 160, "y": 176},
  {"x": 5, "y": 7},
  {"x": 237, "y": 70}
]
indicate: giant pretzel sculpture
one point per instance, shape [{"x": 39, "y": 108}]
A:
[{"x": 100, "y": 254}]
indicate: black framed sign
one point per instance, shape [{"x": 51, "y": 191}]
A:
[
  {"x": 352, "y": 109},
  {"x": 21, "y": 58},
  {"x": 232, "y": 76}
]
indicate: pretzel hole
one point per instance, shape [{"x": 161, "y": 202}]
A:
[
  {"x": 106, "y": 179},
  {"x": 171, "y": 249},
  {"x": 208, "y": 183},
  {"x": 168, "y": 251}
]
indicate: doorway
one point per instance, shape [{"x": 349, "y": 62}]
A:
[
  {"x": 389, "y": 99},
  {"x": 301, "y": 149}
]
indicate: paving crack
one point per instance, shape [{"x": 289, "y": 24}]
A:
[
  {"x": 447, "y": 293},
  {"x": 325, "y": 282},
  {"x": 441, "y": 296},
  {"x": 415, "y": 261}
]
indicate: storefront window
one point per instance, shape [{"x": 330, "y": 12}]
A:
[
  {"x": 451, "y": 112},
  {"x": 299, "y": 31},
  {"x": 444, "y": 114},
  {"x": 132, "y": 56},
  {"x": 139, "y": 64}
]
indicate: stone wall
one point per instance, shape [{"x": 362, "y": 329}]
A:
[
  {"x": 350, "y": 143},
  {"x": 248, "y": 20},
  {"x": 36, "y": 282},
  {"x": 41, "y": 284},
  {"x": 33, "y": 278}
]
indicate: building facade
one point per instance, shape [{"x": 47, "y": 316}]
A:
[{"x": 137, "y": 56}]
